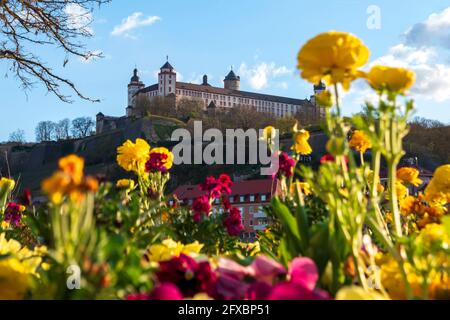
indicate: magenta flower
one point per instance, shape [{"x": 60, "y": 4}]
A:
[
  {"x": 13, "y": 214},
  {"x": 286, "y": 165},
  {"x": 157, "y": 162},
  {"x": 258, "y": 291},
  {"x": 233, "y": 222},
  {"x": 301, "y": 284},
  {"x": 166, "y": 291},
  {"x": 189, "y": 276},
  {"x": 201, "y": 206}
]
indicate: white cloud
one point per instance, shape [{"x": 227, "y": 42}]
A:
[
  {"x": 435, "y": 31},
  {"x": 260, "y": 75},
  {"x": 136, "y": 20},
  {"x": 78, "y": 17}
]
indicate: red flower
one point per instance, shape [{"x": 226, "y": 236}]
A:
[
  {"x": 208, "y": 185},
  {"x": 201, "y": 206},
  {"x": 226, "y": 204},
  {"x": 217, "y": 187},
  {"x": 233, "y": 222},
  {"x": 286, "y": 165},
  {"x": 189, "y": 276},
  {"x": 326, "y": 158}
]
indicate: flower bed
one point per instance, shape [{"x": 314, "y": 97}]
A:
[{"x": 336, "y": 233}]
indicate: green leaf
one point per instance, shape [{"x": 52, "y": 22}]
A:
[{"x": 286, "y": 218}]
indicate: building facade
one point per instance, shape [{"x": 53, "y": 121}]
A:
[
  {"x": 249, "y": 197},
  {"x": 224, "y": 98}
]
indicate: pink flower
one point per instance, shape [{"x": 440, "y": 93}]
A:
[
  {"x": 286, "y": 165},
  {"x": 233, "y": 222},
  {"x": 229, "y": 266},
  {"x": 258, "y": 291},
  {"x": 201, "y": 206},
  {"x": 266, "y": 270},
  {"x": 230, "y": 287},
  {"x": 166, "y": 291},
  {"x": 225, "y": 183},
  {"x": 302, "y": 277},
  {"x": 326, "y": 158}
]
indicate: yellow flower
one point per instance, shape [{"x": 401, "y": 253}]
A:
[
  {"x": 324, "y": 99},
  {"x": 301, "y": 145},
  {"x": 358, "y": 293},
  {"x": 269, "y": 133},
  {"x": 168, "y": 161},
  {"x": 407, "y": 205},
  {"x": 438, "y": 190},
  {"x": 334, "y": 57},
  {"x": 133, "y": 156},
  {"x": 17, "y": 267},
  {"x": 303, "y": 186},
  {"x": 69, "y": 181},
  {"x": 72, "y": 166},
  {"x": 409, "y": 176},
  {"x": 401, "y": 190},
  {"x": 169, "y": 248},
  {"x": 395, "y": 80},
  {"x": 8, "y": 184},
  {"x": 125, "y": 184},
  {"x": 360, "y": 142},
  {"x": 56, "y": 186}
]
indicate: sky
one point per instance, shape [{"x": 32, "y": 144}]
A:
[{"x": 259, "y": 38}]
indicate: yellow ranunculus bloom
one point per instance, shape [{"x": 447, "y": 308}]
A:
[
  {"x": 438, "y": 190},
  {"x": 324, "y": 99},
  {"x": 358, "y": 293},
  {"x": 133, "y": 156},
  {"x": 17, "y": 268},
  {"x": 360, "y": 142},
  {"x": 6, "y": 183},
  {"x": 301, "y": 145},
  {"x": 333, "y": 57},
  {"x": 269, "y": 133},
  {"x": 168, "y": 162},
  {"x": 125, "y": 184},
  {"x": 72, "y": 166},
  {"x": 395, "y": 80},
  {"x": 409, "y": 176}
]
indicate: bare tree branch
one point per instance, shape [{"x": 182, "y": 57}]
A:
[{"x": 26, "y": 24}]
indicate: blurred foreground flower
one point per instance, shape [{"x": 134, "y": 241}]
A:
[{"x": 333, "y": 57}]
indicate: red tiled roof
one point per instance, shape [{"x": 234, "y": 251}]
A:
[{"x": 238, "y": 189}]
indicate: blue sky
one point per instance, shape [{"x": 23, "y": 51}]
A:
[{"x": 260, "y": 38}]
